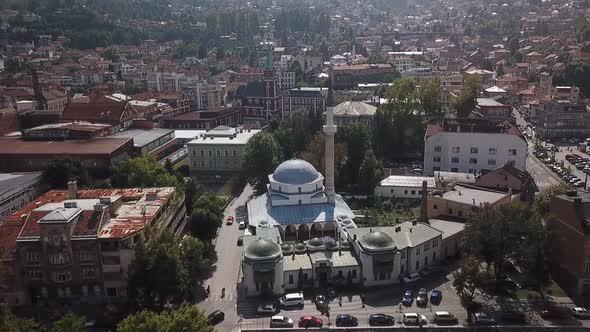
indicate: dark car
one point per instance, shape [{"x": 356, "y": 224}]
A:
[
  {"x": 310, "y": 321},
  {"x": 436, "y": 296},
  {"x": 512, "y": 317},
  {"x": 408, "y": 298},
  {"x": 381, "y": 320},
  {"x": 346, "y": 320},
  {"x": 482, "y": 318},
  {"x": 215, "y": 317},
  {"x": 422, "y": 298},
  {"x": 554, "y": 313}
]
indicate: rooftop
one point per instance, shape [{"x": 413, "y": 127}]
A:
[
  {"x": 14, "y": 182},
  {"x": 93, "y": 146},
  {"x": 447, "y": 227},
  {"x": 471, "y": 126},
  {"x": 473, "y": 196},
  {"x": 488, "y": 102},
  {"x": 407, "y": 181},
  {"x": 362, "y": 67},
  {"x": 408, "y": 234},
  {"x": 143, "y": 137},
  {"x": 454, "y": 177},
  {"x": 214, "y": 137},
  {"x": 354, "y": 109}
]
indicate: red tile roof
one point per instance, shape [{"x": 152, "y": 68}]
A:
[{"x": 88, "y": 224}]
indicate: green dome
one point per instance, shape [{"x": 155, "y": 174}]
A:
[
  {"x": 262, "y": 249},
  {"x": 377, "y": 241}
]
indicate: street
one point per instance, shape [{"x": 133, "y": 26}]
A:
[
  {"x": 226, "y": 269},
  {"x": 543, "y": 176}
]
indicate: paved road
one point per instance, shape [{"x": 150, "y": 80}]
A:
[
  {"x": 227, "y": 268},
  {"x": 544, "y": 177}
]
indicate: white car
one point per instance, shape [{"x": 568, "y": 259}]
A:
[
  {"x": 281, "y": 321},
  {"x": 267, "y": 309},
  {"x": 579, "y": 312},
  {"x": 411, "y": 277},
  {"x": 242, "y": 225},
  {"x": 414, "y": 319}
]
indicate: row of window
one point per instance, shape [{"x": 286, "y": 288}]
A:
[
  {"x": 473, "y": 161},
  {"x": 475, "y": 150},
  {"x": 218, "y": 153}
]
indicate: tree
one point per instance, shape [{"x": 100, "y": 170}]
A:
[
  {"x": 142, "y": 172},
  {"x": 60, "y": 171},
  {"x": 466, "y": 101},
  {"x": 467, "y": 280},
  {"x": 369, "y": 173},
  {"x": 285, "y": 137},
  {"x": 543, "y": 201},
  {"x": 70, "y": 323},
  {"x": 192, "y": 191},
  {"x": 204, "y": 224},
  {"x": 403, "y": 95},
  {"x": 429, "y": 94},
  {"x": 185, "y": 318},
  {"x": 109, "y": 54},
  {"x": 296, "y": 68},
  {"x": 10, "y": 323},
  {"x": 193, "y": 254},
  {"x": 357, "y": 139},
  {"x": 316, "y": 150},
  {"x": 261, "y": 157}
]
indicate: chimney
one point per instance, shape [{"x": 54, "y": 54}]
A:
[
  {"x": 73, "y": 189},
  {"x": 424, "y": 203}
]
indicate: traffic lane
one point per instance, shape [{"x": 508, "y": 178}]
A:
[{"x": 544, "y": 177}]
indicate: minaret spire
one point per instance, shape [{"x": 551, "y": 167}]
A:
[{"x": 330, "y": 131}]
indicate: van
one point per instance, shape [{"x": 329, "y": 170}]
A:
[{"x": 292, "y": 300}]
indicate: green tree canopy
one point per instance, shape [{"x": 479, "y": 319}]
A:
[
  {"x": 466, "y": 101},
  {"x": 142, "y": 172},
  {"x": 369, "y": 173},
  {"x": 186, "y": 318},
  {"x": 60, "y": 171},
  {"x": 70, "y": 322},
  {"x": 429, "y": 95},
  {"x": 261, "y": 157},
  {"x": 10, "y": 323},
  {"x": 468, "y": 279}
]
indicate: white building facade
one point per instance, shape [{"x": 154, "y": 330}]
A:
[
  {"x": 467, "y": 150},
  {"x": 402, "y": 186}
]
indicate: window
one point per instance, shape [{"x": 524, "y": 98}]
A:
[
  {"x": 210, "y": 153},
  {"x": 59, "y": 258},
  {"x": 492, "y": 151},
  {"x": 202, "y": 153},
  {"x": 437, "y": 148},
  {"x": 473, "y": 160},
  {"x": 492, "y": 162},
  {"x": 61, "y": 276},
  {"x": 436, "y": 168},
  {"x": 305, "y": 277},
  {"x": 340, "y": 274},
  {"x": 511, "y": 162},
  {"x": 435, "y": 206},
  {"x": 235, "y": 153},
  {"x": 454, "y": 169},
  {"x": 89, "y": 273},
  {"x": 473, "y": 150},
  {"x": 460, "y": 213},
  {"x": 402, "y": 269},
  {"x": 405, "y": 192},
  {"x": 68, "y": 292},
  {"x": 425, "y": 260},
  {"x": 403, "y": 255},
  {"x": 291, "y": 279},
  {"x": 226, "y": 153},
  {"x": 455, "y": 160},
  {"x": 219, "y": 153},
  {"x": 417, "y": 265},
  {"x": 450, "y": 211},
  {"x": 353, "y": 274},
  {"x": 32, "y": 257},
  {"x": 35, "y": 275},
  {"x": 426, "y": 246},
  {"x": 456, "y": 149},
  {"x": 435, "y": 243},
  {"x": 86, "y": 255},
  {"x": 413, "y": 192},
  {"x": 417, "y": 251},
  {"x": 97, "y": 290},
  {"x": 512, "y": 152},
  {"x": 436, "y": 159}
]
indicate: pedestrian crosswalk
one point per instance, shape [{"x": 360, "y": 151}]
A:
[{"x": 546, "y": 183}]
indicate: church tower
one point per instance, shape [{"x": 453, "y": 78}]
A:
[{"x": 330, "y": 131}]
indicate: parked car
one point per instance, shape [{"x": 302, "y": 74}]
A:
[
  {"x": 512, "y": 317},
  {"x": 436, "y": 296},
  {"x": 281, "y": 321},
  {"x": 412, "y": 277},
  {"x": 408, "y": 298},
  {"x": 422, "y": 298},
  {"x": 310, "y": 321},
  {"x": 229, "y": 220},
  {"x": 554, "y": 313},
  {"x": 346, "y": 320},
  {"x": 445, "y": 318},
  {"x": 215, "y": 317},
  {"x": 414, "y": 319},
  {"x": 292, "y": 300},
  {"x": 482, "y": 318},
  {"x": 580, "y": 313},
  {"x": 381, "y": 320},
  {"x": 242, "y": 225},
  {"x": 240, "y": 240},
  {"x": 267, "y": 309}
]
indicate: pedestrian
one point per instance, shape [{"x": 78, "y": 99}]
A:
[{"x": 340, "y": 301}]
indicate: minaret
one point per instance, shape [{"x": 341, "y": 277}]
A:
[
  {"x": 330, "y": 131},
  {"x": 353, "y": 54}
]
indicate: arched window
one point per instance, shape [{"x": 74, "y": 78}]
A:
[
  {"x": 219, "y": 153},
  {"x": 299, "y": 202},
  {"x": 210, "y": 153},
  {"x": 300, "y": 190}
]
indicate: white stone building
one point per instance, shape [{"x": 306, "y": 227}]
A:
[
  {"x": 403, "y": 186},
  {"x": 219, "y": 150},
  {"x": 286, "y": 79},
  {"x": 471, "y": 145}
]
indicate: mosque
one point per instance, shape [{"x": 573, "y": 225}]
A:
[{"x": 303, "y": 235}]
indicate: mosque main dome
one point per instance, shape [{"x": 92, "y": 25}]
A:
[{"x": 295, "y": 171}]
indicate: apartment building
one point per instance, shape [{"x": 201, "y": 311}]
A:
[
  {"x": 75, "y": 246},
  {"x": 472, "y": 145}
]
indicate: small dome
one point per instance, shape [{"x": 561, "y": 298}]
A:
[
  {"x": 262, "y": 249},
  {"x": 315, "y": 242},
  {"x": 295, "y": 171},
  {"x": 287, "y": 249},
  {"x": 346, "y": 221},
  {"x": 300, "y": 248},
  {"x": 377, "y": 241},
  {"x": 344, "y": 244},
  {"x": 263, "y": 223}
]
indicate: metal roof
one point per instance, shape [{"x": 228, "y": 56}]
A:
[{"x": 407, "y": 181}]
